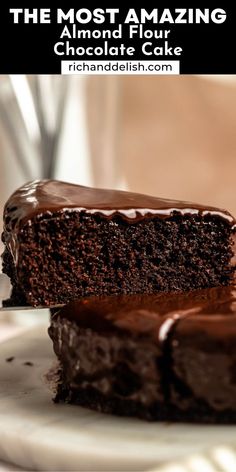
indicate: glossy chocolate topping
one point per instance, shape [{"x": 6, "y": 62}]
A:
[
  {"x": 154, "y": 315},
  {"x": 50, "y": 195}
]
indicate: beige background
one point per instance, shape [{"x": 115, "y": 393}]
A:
[{"x": 178, "y": 137}]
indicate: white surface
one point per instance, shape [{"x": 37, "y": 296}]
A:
[
  {"x": 38, "y": 434},
  {"x": 218, "y": 459}
]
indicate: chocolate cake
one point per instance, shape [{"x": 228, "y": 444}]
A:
[
  {"x": 158, "y": 357},
  {"x": 65, "y": 241}
]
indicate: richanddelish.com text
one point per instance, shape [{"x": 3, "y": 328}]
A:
[{"x": 120, "y": 67}]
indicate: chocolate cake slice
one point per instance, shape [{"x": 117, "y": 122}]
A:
[
  {"x": 159, "y": 357},
  {"x": 65, "y": 241}
]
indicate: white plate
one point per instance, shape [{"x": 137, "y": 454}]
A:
[{"x": 38, "y": 434}]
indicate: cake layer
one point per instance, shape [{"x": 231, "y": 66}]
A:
[
  {"x": 158, "y": 357},
  {"x": 65, "y": 241},
  {"x": 203, "y": 356}
]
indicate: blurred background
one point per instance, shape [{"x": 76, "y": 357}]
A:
[{"x": 170, "y": 136}]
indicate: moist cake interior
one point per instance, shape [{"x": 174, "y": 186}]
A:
[{"x": 73, "y": 254}]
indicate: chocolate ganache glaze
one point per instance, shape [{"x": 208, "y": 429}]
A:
[
  {"x": 148, "y": 314},
  {"x": 39, "y": 197},
  {"x": 154, "y": 356}
]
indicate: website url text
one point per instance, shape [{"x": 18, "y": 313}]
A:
[{"x": 120, "y": 67}]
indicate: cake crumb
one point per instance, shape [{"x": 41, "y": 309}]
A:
[{"x": 10, "y": 359}]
